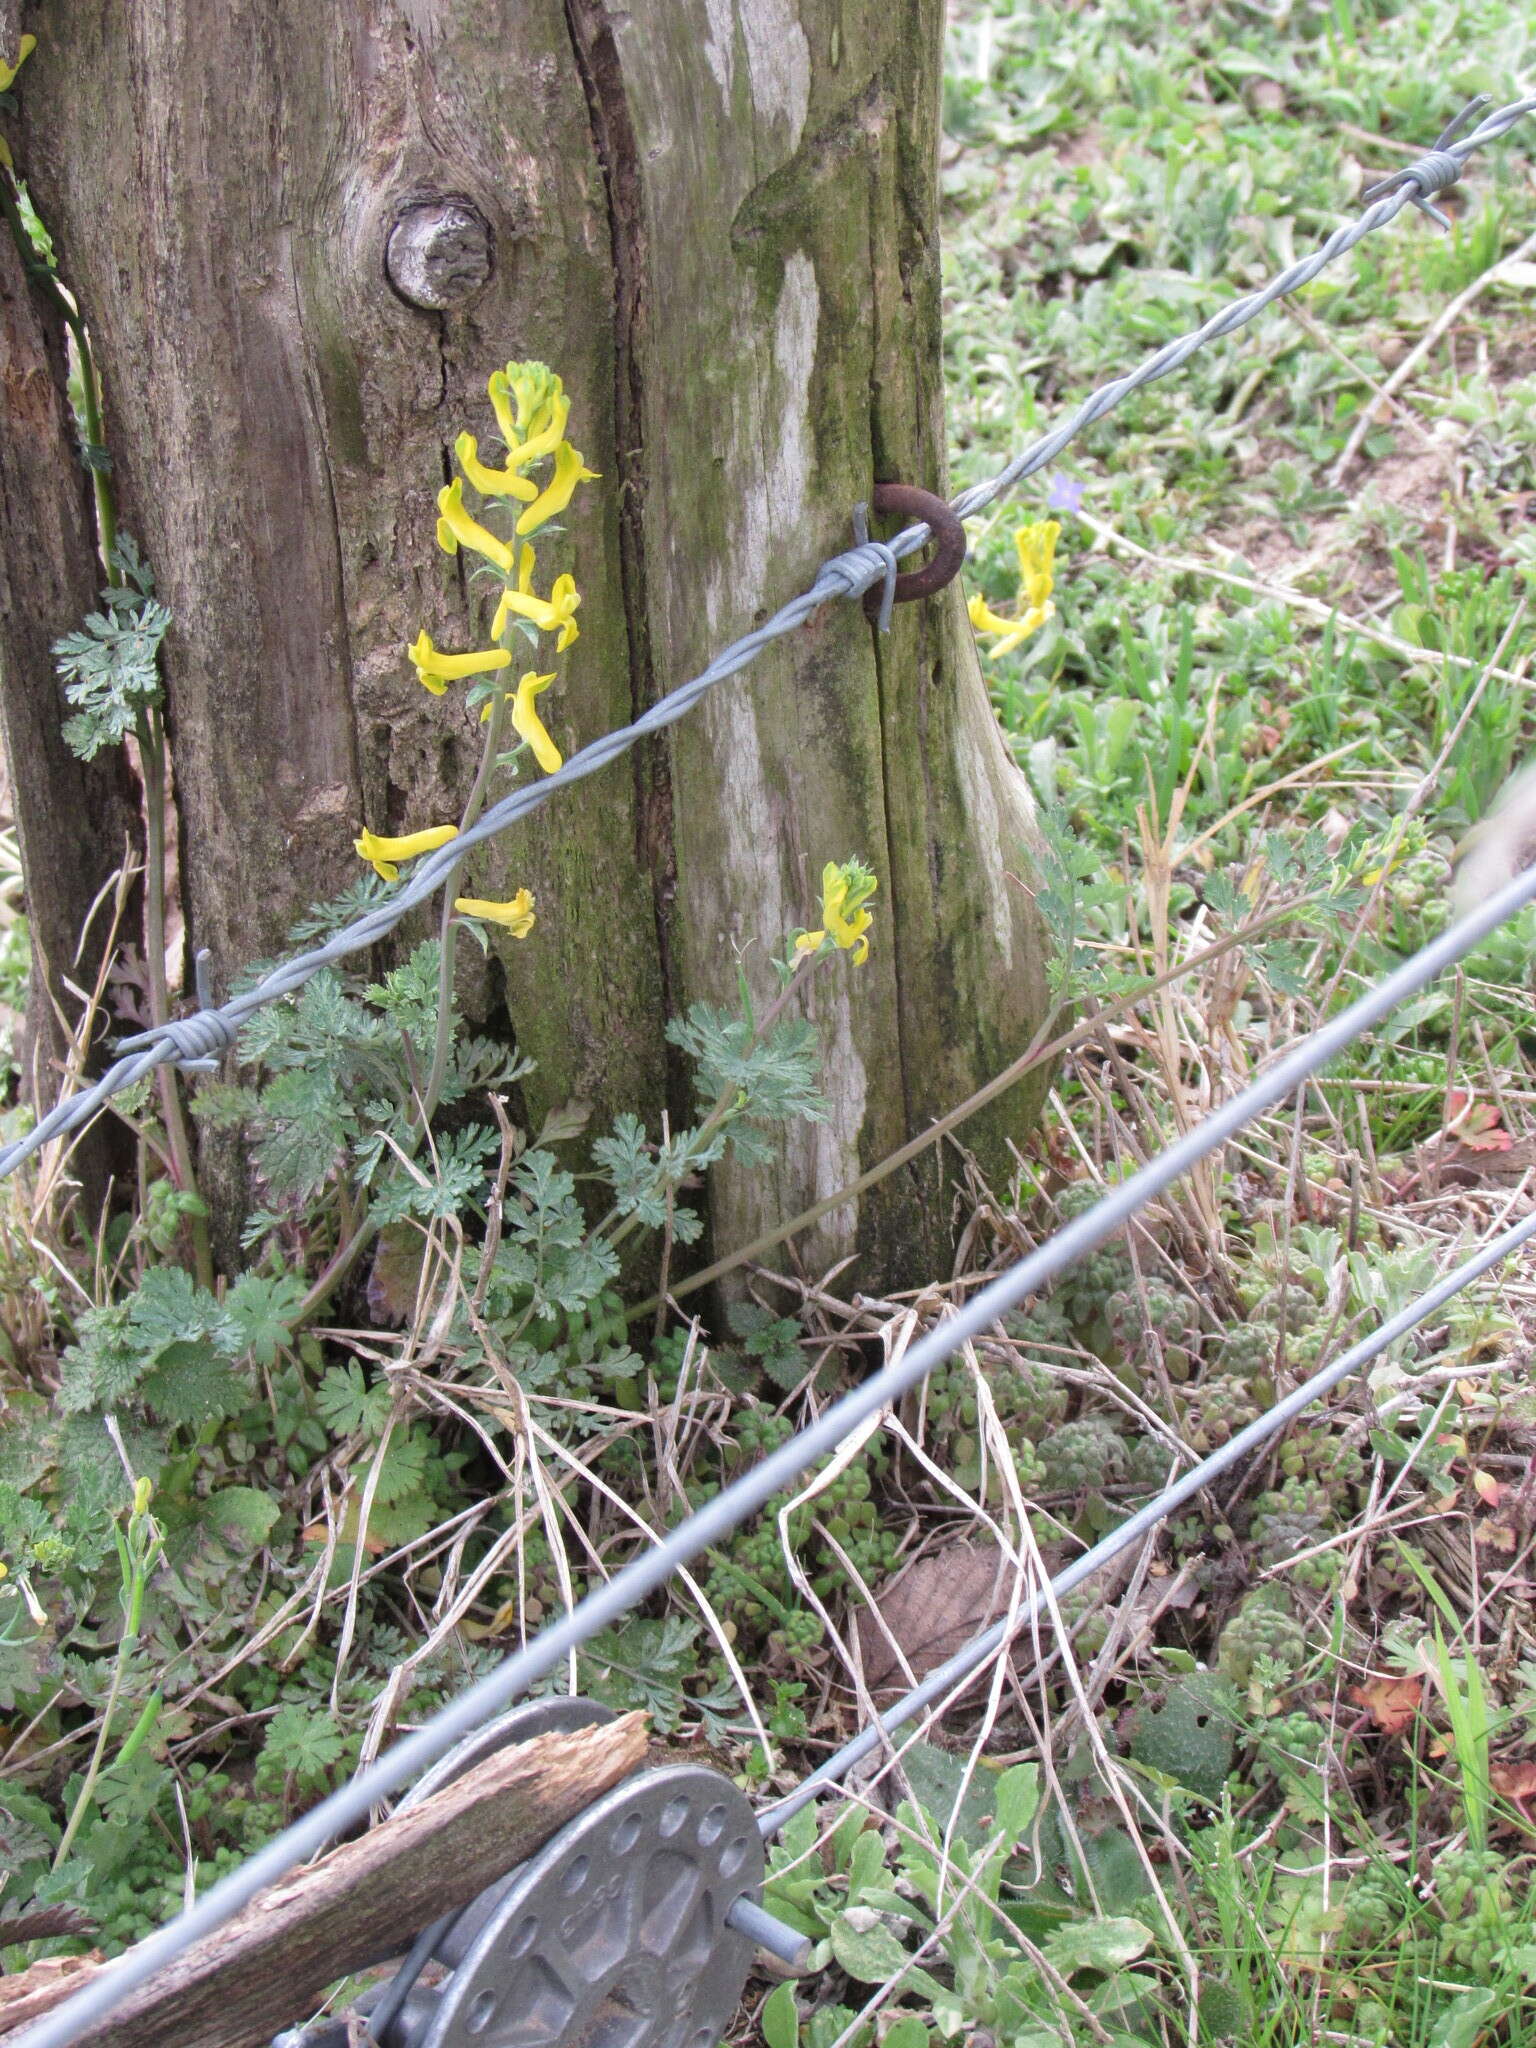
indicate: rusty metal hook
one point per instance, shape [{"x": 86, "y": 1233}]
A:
[{"x": 910, "y": 502}]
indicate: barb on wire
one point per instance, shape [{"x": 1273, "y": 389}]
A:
[
  {"x": 195, "y": 1039},
  {"x": 348, "y": 1805},
  {"x": 1436, "y": 171}
]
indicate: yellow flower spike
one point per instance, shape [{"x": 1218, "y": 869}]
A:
[
  {"x": 435, "y": 671},
  {"x": 516, "y": 915},
  {"x": 557, "y": 493},
  {"x": 8, "y": 72},
  {"x": 845, "y": 890},
  {"x": 528, "y": 726},
  {"x": 1036, "y": 546},
  {"x": 531, "y": 410},
  {"x": 492, "y": 483},
  {"x": 386, "y": 853},
  {"x": 518, "y": 394},
  {"x": 457, "y": 528}
]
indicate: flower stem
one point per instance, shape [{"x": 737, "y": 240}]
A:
[
  {"x": 725, "y": 1103},
  {"x": 90, "y": 405},
  {"x": 138, "y": 1553},
  {"x": 352, "y": 1248},
  {"x": 151, "y": 735},
  {"x": 341, "y": 1262},
  {"x": 472, "y": 808}
]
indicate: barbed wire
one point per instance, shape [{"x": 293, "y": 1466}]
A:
[
  {"x": 349, "y": 1805},
  {"x": 199, "y": 1038}
]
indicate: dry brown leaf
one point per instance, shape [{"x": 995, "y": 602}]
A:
[
  {"x": 1392, "y": 1703},
  {"x": 930, "y": 1609},
  {"x": 1514, "y": 1781}
]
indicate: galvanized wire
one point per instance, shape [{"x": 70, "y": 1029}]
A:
[
  {"x": 196, "y": 1039},
  {"x": 350, "y": 1804}
]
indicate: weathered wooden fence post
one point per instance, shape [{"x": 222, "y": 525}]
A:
[{"x": 303, "y": 237}]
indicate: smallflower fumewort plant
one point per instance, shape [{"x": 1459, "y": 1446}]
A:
[{"x": 532, "y": 410}]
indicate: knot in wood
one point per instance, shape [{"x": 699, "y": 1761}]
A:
[{"x": 440, "y": 254}]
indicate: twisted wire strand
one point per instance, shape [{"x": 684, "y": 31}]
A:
[
  {"x": 847, "y": 575},
  {"x": 643, "y": 1575}
]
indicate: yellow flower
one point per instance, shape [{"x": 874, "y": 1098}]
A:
[
  {"x": 528, "y": 726},
  {"x": 550, "y": 426},
  {"x": 520, "y": 600},
  {"x": 435, "y": 671},
  {"x": 552, "y": 614},
  {"x": 845, "y": 889},
  {"x": 517, "y": 915},
  {"x": 456, "y": 528},
  {"x": 1036, "y": 545},
  {"x": 8, "y": 72},
  {"x": 563, "y": 600},
  {"x": 529, "y": 387},
  {"x": 531, "y": 410},
  {"x": 494, "y": 483},
  {"x": 385, "y": 853},
  {"x": 556, "y": 494}
]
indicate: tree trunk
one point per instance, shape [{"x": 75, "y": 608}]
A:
[
  {"x": 75, "y": 821},
  {"x": 718, "y": 221}
]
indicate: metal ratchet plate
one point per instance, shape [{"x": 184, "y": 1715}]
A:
[
  {"x": 614, "y": 1934},
  {"x": 558, "y": 1715}
]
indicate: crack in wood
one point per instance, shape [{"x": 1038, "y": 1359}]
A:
[{"x": 618, "y": 157}]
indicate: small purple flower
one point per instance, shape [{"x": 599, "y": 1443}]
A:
[{"x": 1065, "y": 494}]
